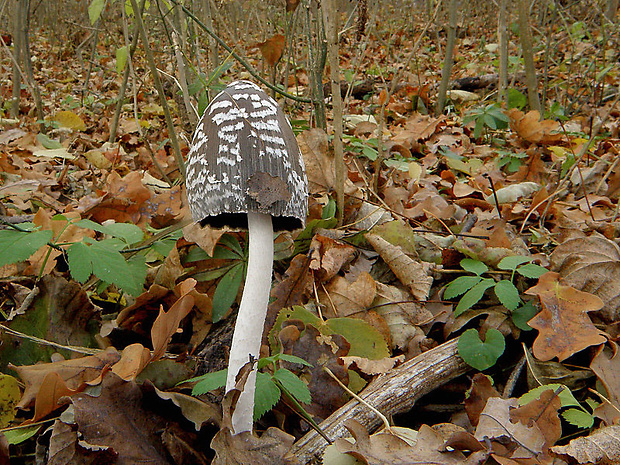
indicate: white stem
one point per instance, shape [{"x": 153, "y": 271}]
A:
[{"x": 248, "y": 333}]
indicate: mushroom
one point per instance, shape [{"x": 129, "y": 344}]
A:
[{"x": 245, "y": 170}]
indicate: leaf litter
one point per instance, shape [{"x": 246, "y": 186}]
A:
[{"x": 100, "y": 354}]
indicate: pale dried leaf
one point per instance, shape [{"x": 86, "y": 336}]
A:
[
  {"x": 591, "y": 264},
  {"x": 413, "y": 274},
  {"x": 600, "y": 447}
]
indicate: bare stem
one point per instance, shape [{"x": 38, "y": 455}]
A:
[{"x": 251, "y": 318}]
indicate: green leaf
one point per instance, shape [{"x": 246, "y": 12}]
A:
[
  {"x": 21, "y": 433},
  {"x": 48, "y": 143},
  {"x": 507, "y": 294},
  {"x": 121, "y": 58},
  {"x": 79, "y": 260},
  {"x": 294, "y": 386},
  {"x": 512, "y": 262},
  {"x": 478, "y": 354},
  {"x": 473, "y": 296},
  {"x": 474, "y": 266},
  {"x": 365, "y": 340},
  {"x": 578, "y": 418},
  {"x": 566, "y": 396},
  {"x": 523, "y": 314},
  {"x": 460, "y": 286},
  {"x": 267, "y": 394},
  {"x": 293, "y": 359},
  {"x": 94, "y": 10},
  {"x": 128, "y": 232},
  {"x": 209, "y": 382},
  {"x": 104, "y": 261},
  {"x": 17, "y": 246},
  {"x": 532, "y": 270},
  {"x": 226, "y": 291},
  {"x": 516, "y": 99}
]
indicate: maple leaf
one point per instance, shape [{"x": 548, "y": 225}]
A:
[{"x": 563, "y": 325}]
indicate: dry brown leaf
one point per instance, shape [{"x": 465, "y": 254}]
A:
[
  {"x": 600, "y": 447},
  {"x": 349, "y": 298},
  {"x": 563, "y": 324},
  {"x": 318, "y": 160},
  {"x": 272, "y": 49},
  {"x": 388, "y": 448},
  {"x": 328, "y": 256},
  {"x": 167, "y": 323},
  {"x": 413, "y": 274},
  {"x": 294, "y": 289},
  {"x": 206, "y": 238},
  {"x": 118, "y": 418},
  {"x": 479, "y": 393},
  {"x": 402, "y": 315},
  {"x": 52, "y": 388},
  {"x": 247, "y": 449},
  {"x": 495, "y": 425},
  {"x": 74, "y": 372},
  {"x": 531, "y": 128},
  {"x": 606, "y": 365},
  {"x": 370, "y": 367},
  {"x": 591, "y": 264},
  {"x": 133, "y": 360},
  {"x": 418, "y": 128},
  {"x": 544, "y": 413}
]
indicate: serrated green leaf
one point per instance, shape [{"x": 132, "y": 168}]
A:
[
  {"x": 473, "y": 296},
  {"x": 578, "y": 418},
  {"x": 474, "y": 266},
  {"x": 94, "y": 10},
  {"x": 512, "y": 262},
  {"x": 103, "y": 260},
  {"x": 566, "y": 396},
  {"x": 80, "y": 263},
  {"x": 17, "y": 246},
  {"x": 267, "y": 394},
  {"x": 294, "y": 386},
  {"x": 460, "y": 286},
  {"x": 507, "y": 294},
  {"x": 293, "y": 359},
  {"x": 208, "y": 382},
  {"x": 129, "y": 233},
  {"x": 532, "y": 271},
  {"x": 226, "y": 291},
  {"x": 478, "y": 354},
  {"x": 121, "y": 58}
]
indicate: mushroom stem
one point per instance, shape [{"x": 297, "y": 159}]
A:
[{"x": 248, "y": 333}]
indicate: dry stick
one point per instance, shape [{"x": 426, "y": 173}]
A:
[
  {"x": 191, "y": 111},
  {"x": 502, "y": 33},
  {"x": 527, "y": 48},
  {"x": 237, "y": 57},
  {"x": 392, "y": 393},
  {"x": 331, "y": 19},
  {"x": 123, "y": 87},
  {"x": 446, "y": 70},
  {"x": 172, "y": 135}
]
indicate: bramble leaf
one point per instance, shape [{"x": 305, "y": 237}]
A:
[
  {"x": 17, "y": 246},
  {"x": 507, "y": 294},
  {"x": 578, "y": 418},
  {"x": 512, "y": 262},
  {"x": 267, "y": 394},
  {"x": 209, "y": 382},
  {"x": 293, "y": 385},
  {"x": 531, "y": 270},
  {"x": 460, "y": 286},
  {"x": 473, "y": 296},
  {"x": 474, "y": 266}
]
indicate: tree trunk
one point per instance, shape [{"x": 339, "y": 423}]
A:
[
  {"x": 446, "y": 71},
  {"x": 525, "y": 33}
]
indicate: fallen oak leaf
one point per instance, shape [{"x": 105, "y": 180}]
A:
[
  {"x": 563, "y": 325},
  {"x": 530, "y": 127},
  {"x": 167, "y": 323},
  {"x": 600, "y": 447},
  {"x": 367, "y": 367}
]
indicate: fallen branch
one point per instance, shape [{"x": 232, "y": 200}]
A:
[{"x": 392, "y": 393}]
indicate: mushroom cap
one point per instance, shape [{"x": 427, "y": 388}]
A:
[{"x": 244, "y": 158}]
